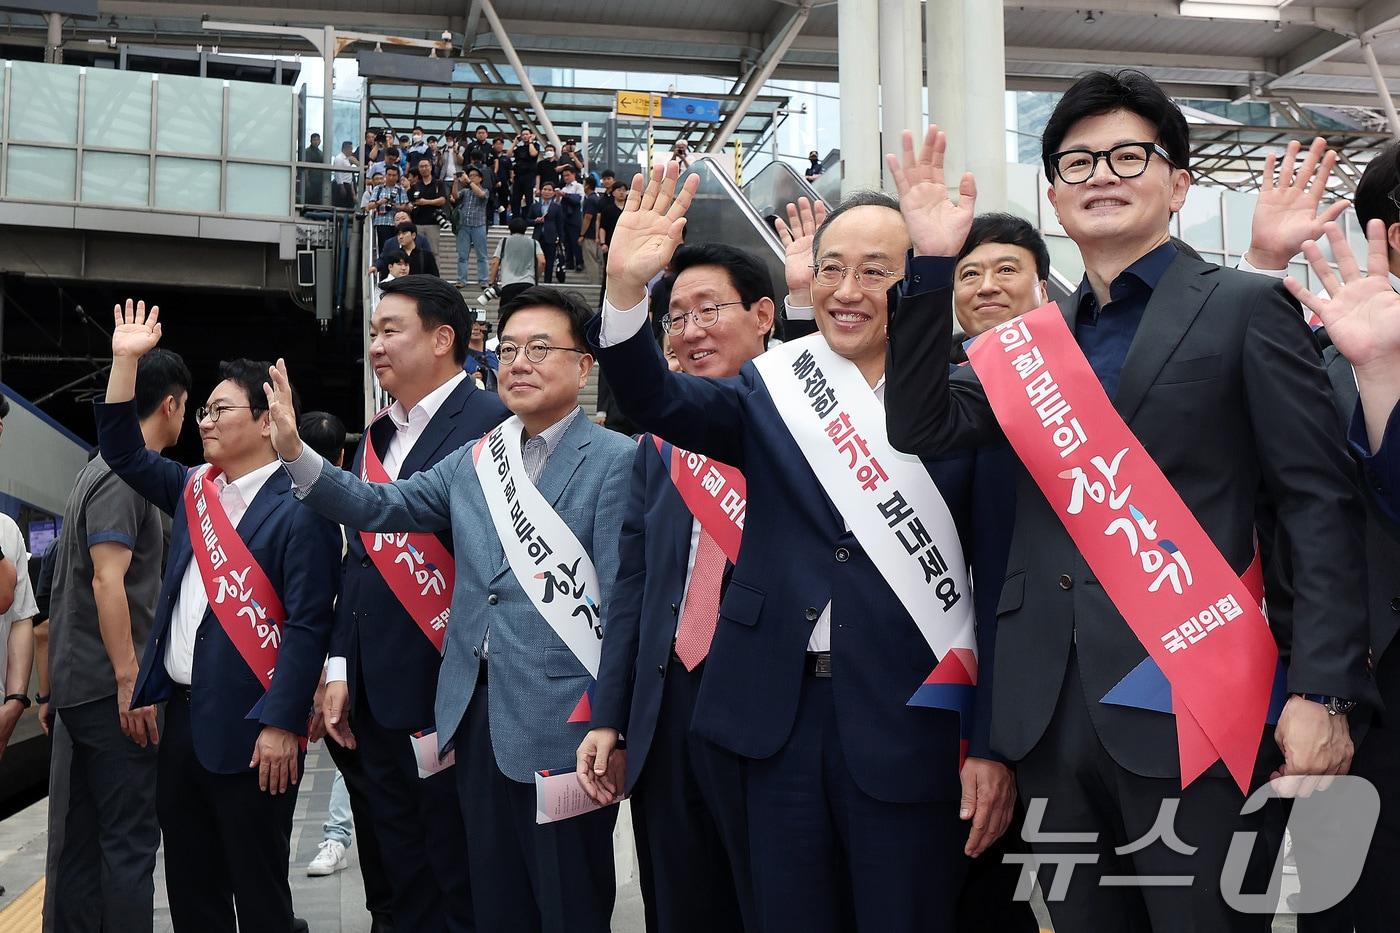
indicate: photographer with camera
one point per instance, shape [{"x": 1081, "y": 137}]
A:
[
  {"x": 526, "y": 158},
  {"x": 470, "y": 195},
  {"x": 518, "y": 263},
  {"x": 481, "y": 364},
  {"x": 428, "y": 198}
]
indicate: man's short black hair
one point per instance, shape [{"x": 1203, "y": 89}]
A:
[
  {"x": 324, "y": 433},
  {"x": 391, "y": 168},
  {"x": 407, "y": 226},
  {"x": 391, "y": 256},
  {"x": 747, "y": 274},
  {"x": 473, "y": 169},
  {"x": 249, "y": 375},
  {"x": 609, "y": 173},
  {"x": 1372, "y": 199},
  {"x": 1012, "y": 230},
  {"x": 438, "y": 304},
  {"x": 867, "y": 198},
  {"x": 4, "y": 407},
  {"x": 517, "y": 225},
  {"x": 315, "y": 135},
  {"x": 480, "y": 127},
  {"x": 1098, "y": 93},
  {"x": 161, "y": 373},
  {"x": 536, "y": 296}
]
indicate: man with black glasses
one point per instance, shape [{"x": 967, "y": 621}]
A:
[{"x": 1158, "y": 413}]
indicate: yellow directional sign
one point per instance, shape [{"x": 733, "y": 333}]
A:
[{"x": 638, "y": 104}]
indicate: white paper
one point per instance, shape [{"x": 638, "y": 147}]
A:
[
  {"x": 558, "y": 796},
  {"x": 425, "y": 752}
]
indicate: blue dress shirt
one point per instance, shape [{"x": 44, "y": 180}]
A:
[{"x": 1105, "y": 334}]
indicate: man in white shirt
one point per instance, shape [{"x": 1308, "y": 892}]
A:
[
  {"x": 16, "y": 630},
  {"x": 343, "y": 182}
]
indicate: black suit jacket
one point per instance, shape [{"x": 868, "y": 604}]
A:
[
  {"x": 388, "y": 659},
  {"x": 1224, "y": 387}
]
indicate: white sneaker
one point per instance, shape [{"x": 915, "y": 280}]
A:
[{"x": 329, "y": 860}]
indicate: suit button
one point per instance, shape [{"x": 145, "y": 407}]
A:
[
  {"x": 661, "y": 669},
  {"x": 476, "y": 652},
  {"x": 365, "y": 561},
  {"x": 842, "y": 555},
  {"x": 812, "y": 614},
  {"x": 674, "y": 609},
  {"x": 493, "y": 599},
  {"x": 1395, "y": 604},
  {"x": 1066, "y": 581}
]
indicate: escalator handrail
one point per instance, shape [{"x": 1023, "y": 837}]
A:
[
  {"x": 803, "y": 184},
  {"x": 745, "y": 207}
]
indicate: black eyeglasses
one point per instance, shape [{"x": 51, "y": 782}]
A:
[
  {"x": 535, "y": 351},
  {"x": 1126, "y": 160},
  {"x": 705, "y": 316},
  {"x": 217, "y": 412}
]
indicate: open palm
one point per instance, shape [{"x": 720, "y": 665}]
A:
[
  {"x": 1361, "y": 312},
  {"x": 134, "y": 332},
  {"x": 937, "y": 225},
  {"x": 1286, "y": 213},
  {"x": 649, "y": 230},
  {"x": 797, "y": 234}
]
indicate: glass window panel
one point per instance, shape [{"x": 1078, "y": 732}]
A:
[
  {"x": 260, "y": 122},
  {"x": 1239, "y": 214},
  {"x": 259, "y": 189},
  {"x": 40, "y": 174},
  {"x": 44, "y": 103},
  {"x": 115, "y": 178},
  {"x": 189, "y": 115},
  {"x": 1200, "y": 219},
  {"x": 117, "y": 111},
  {"x": 187, "y": 185},
  {"x": 1022, "y": 194},
  {"x": 1065, "y": 258}
]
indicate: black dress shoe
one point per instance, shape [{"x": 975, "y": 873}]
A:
[{"x": 299, "y": 925}]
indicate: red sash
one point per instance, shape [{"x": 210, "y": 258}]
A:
[
  {"x": 240, "y": 594},
  {"x": 417, "y": 566},
  {"x": 1198, "y": 621},
  {"x": 715, "y": 493}
]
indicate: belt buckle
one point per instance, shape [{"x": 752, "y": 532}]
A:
[{"x": 819, "y": 663}]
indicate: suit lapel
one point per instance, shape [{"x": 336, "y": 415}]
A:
[
  {"x": 1172, "y": 309},
  {"x": 263, "y": 505},
  {"x": 439, "y": 429},
  {"x": 565, "y": 461}
]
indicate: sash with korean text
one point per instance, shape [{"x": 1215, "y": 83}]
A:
[
  {"x": 240, "y": 594},
  {"x": 546, "y": 557},
  {"x": 890, "y": 502},
  {"x": 715, "y": 493},
  {"x": 416, "y": 566},
  {"x": 1198, "y": 621}
]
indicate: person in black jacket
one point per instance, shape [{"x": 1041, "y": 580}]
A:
[{"x": 547, "y": 217}]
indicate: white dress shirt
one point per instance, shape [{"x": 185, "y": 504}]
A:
[
  {"x": 617, "y": 326},
  {"x": 408, "y": 429},
  {"x": 192, "y": 600}
]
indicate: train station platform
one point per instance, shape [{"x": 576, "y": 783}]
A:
[{"x": 333, "y": 904}]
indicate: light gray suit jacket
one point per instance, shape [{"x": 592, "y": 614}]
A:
[{"x": 535, "y": 679}]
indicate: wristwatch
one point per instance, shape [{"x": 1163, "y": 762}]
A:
[
  {"x": 41, "y": 698},
  {"x": 1335, "y": 706},
  {"x": 23, "y": 698}
]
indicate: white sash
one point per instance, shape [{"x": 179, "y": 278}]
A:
[
  {"x": 546, "y": 557},
  {"x": 887, "y": 498}
]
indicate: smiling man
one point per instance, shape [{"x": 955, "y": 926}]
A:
[
  {"x": 850, "y": 586},
  {"x": 1001, "y": 272},
  {"x": 534, "y": 509},
  {"x": 1177, "y": 400},
  {"x": 248, "y": 591}
]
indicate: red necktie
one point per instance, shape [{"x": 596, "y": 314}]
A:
[{"x": 701, "y": 613}]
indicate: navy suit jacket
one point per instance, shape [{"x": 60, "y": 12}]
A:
[
  {"x": 551, "y": 227},
  {"x": 1382, "y": 467},
  {"x": 297, "y": 549},
  {"x": 387, "y": 655},
  {"x": 796, "y": 556},
  {"x": 640, "y": 627}
]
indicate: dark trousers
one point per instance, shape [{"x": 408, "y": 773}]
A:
[
  {"x": 379, "y": 895},
  {"x": 1088, "y": 792},
  {"x": 988, "y": 899},
  {"x": 526, "y": 878},
  {"x": 522, "y": 192},
  {"x": 104, "y": 876},
  {"x": 383, "y": 233},
  {"x": 1374, "y": 904},
  {"x": 573, "y": 249},
  {"x": 689, "y": 820},
  {"x": 510, "y": 291},
  {"x": 551, "y": 252},
  {"x": 424, "y": 848},
  {"x": 227, "y": 843},
  {"x": 829, "y": 858}
]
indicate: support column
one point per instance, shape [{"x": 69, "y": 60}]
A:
[
  {"x": 489, "y": 11},
  {"x": 901, "y": 78},
  {"x": 858, "y": 57},
  {"x": 1382, "y": 90},
  {"x": 946, "y": 104},
  {"x": 329, "y": 144},
  {"x": 53, "y": 44},
  {"x": 984, "y": 88}
]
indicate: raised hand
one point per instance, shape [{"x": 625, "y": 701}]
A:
[
  {"x": 134, "y": 332},
  {"x": 937, "y": 226},
  {"x": 647, "y": 233},
  {"x": 797, "y": 234},
  {"x": 285, "y": 439},
  {"x": 1286, "y": 213}
]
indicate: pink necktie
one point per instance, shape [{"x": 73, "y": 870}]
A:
[{"x": 701, "y": 613}]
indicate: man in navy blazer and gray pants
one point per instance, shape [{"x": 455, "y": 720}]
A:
[
  {"x": 506, "y": 726},
  {"x": 227, "y": 827}
]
